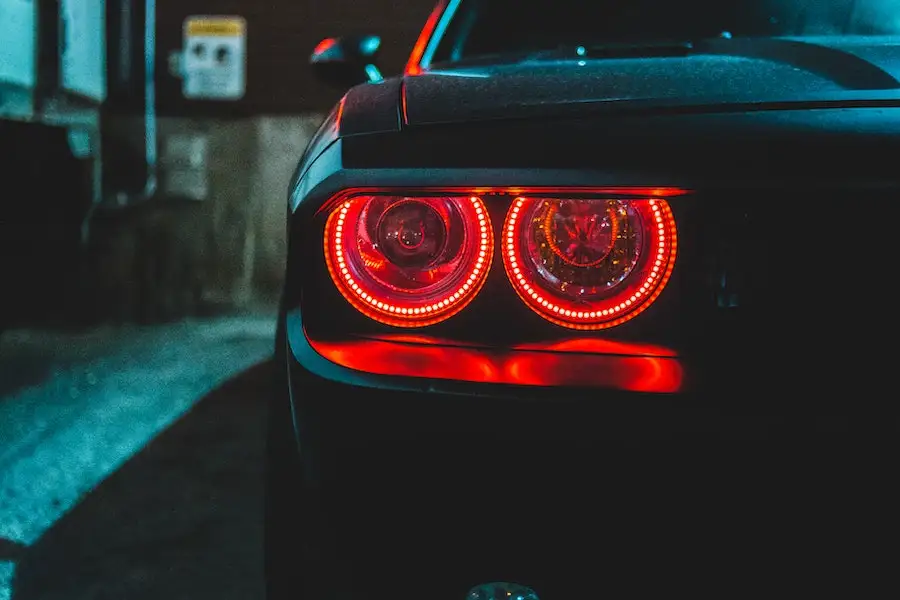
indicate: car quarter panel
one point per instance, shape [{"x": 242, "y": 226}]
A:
[
  {"x": 776, "y": 164},
  {"x": 812, "y": 144}
]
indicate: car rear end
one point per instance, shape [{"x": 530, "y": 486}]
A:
[{"x": 698, "y": 424}]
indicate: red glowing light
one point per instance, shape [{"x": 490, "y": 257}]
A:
[
  {"x": 409, "y": 261},
  {"x": 600, "y": 346},
  {"x": 626, "y": 373},
  {"x": 589, "y": 263},
  {"x": 339, "y": 115},
  {"x": 324, "y": 45},
  {"x": 413, "y": 65},
  {"x": 632, "y": 370}
]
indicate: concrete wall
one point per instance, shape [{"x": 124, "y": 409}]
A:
[
  {"x": 278, "y": 142},
  {"x": 182, "y": 253},
  {"x": 213, "y": 238}
]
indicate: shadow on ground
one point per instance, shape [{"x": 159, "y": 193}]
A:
[
  {"x": 20, "y": 372},
  {"x": 183, "y": 519}
]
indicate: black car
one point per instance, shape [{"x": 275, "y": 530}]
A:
[{"x": 588, "y": 303}]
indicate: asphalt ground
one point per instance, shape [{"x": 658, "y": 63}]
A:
[
  {"x": 131, "y": 466},
  {"x": 131, "y": 461}
]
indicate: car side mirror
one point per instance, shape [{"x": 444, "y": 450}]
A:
[{"x": 347, "y": 61}]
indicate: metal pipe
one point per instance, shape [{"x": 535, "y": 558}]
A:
[
  {"x": 150, "y": 96},
  {"x": 124, "y": 199}
]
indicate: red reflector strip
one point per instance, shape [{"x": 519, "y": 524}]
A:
[
  {"x": 413, "y": 64},
  {"x": 634, "y": 373}
]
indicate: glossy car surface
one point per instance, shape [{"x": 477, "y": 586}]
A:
[{"x": 701, "y": 431}]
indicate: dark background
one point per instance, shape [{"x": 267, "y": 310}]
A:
[
  {"x": 49, "y": 226},
  {"x": 280, "y": 37}
]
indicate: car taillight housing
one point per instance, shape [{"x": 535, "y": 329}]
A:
[
  {"x": 409, "y": 261},
  {"x": 581, "y": 259},
  {"x": 589, "y": 263}
]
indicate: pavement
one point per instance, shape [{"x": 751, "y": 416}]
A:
[
  {"x": 131, "y": 460},
  {"x": 131, "y": 466}
]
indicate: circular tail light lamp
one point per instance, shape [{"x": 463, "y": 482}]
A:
[
  {"x": 587, "y": 263},
  {"x": 409, "y": 261}
]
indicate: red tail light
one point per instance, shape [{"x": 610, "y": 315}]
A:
[
  {"x": 589, "y": 263},
  {"x": 409, "y": 261}
]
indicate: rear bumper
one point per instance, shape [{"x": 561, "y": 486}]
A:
[
  {"x": 430, "y": 484},
  {"x": 346, "y": 406},
  {"x": 351, "y": 424}
]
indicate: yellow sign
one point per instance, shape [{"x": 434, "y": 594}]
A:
[
  {"x": 214, "y": 57},
  {"x": 215, "y": 26}
]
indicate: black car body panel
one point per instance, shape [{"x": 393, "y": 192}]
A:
[
  {"x": 725, "y": 71},
  {"x": 372, "y": 108},
  {"x": 630, "y": 105},
  {"x": 555, "y": 125},
  {"x": 652, "y": 147},
  {"x": 788, "y": 150},
  {"x": 713, "y": 74},
  {"x": 747, "y": 169}
]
